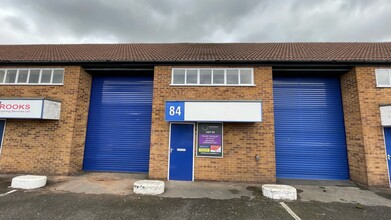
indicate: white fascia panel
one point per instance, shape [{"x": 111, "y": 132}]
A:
[
  {"x": 51, "y": 110},
  {"x": 224, "y": 111},
  {"x": 29, "y": 109},
  {"x": 385, "y": 112}
]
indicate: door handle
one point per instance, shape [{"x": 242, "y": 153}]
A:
[{"x": 388, "y": 157}]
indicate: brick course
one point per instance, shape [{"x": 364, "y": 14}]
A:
[
  {"x": 364, "y": 133},
  {"x": 242, "y": 141},
  {"x": 48, "y": 146}
]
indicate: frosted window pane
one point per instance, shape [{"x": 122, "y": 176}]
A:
[
  {"x": 22, "y": 76},
  {"x": 245, "y": 77},
  {"x": 191, "y": 77},
  {"x": 205, "y": 76},
  {"x": 232, "y": 77},
  {"x": 383, "y": 77},
  {"x": 218, "y": 76},
  {"x": 179, "y": 77}
]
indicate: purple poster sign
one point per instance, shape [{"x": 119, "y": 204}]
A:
[
  {"x": 210, "y": 136},
  {"x": 210, "y": 139}
]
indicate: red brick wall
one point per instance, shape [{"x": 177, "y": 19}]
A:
[
  {"x": 242, "y": 141},
  {"x": 80, "y": 122},
  {"x": 48, "y": 146},
  {"x": 57, "y": 147},
  {"x": 364, "y": 133},
  {"x": 353, "y": 128}
]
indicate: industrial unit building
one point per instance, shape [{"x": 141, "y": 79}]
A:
[{"x": 249, "y": 112}]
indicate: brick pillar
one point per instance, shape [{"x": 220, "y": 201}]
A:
[
  {"x": 84, "y": 83},
  {"x": 353, "y": 128},
  {"x": 364, "y": 133}
]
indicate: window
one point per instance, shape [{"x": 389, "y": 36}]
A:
[
  {"x": 383, "y": 77},
  {"x": 232, "y": 77},
  {"x": 58, "y": 76},
  {"x": 245, "y": 77},
  {"x": 213, "y": 77},
  {"x": 22, "y": 76},
  {"x": 2, "y": 75},
  {"x": 179, "y": 77},
  {"x": 32, "y": 76},
  {"x": 45, "y": 76},
  {"x": 205, "y": 77},
  {"x": 192, "y": 77},
  {"x": 11, "y": 76},
  {"x": 218, "y": 77}
]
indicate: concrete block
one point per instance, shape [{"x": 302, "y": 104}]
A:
[
  {"x": 148, "y": 187},
  {"x": 275, "y": 191},
  {"x": 28, "y": 182}
]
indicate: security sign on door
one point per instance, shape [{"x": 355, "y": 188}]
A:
[{"x": 181, "y": 152}]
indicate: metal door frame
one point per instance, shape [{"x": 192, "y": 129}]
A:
[
  {"x": 385, "y": 149},
  {"x": 169, "y": 147},
  {"x": 2, "y": 135}
]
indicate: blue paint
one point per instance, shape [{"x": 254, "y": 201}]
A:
[
  {"x": 309, "y": 129},
  {"x": 119, "y": 124},
  {"x": 175, "y": 111},
  {"x": 387, "y": 137},
  {"x": 181, "y": 152},
  {"x": 2, "y": 127}
]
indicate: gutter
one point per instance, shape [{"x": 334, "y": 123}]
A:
[{"x": 151, "y": 64}]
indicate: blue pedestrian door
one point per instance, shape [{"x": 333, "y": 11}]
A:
[
  {"x": 181, "y": 152},
  {"x": 309, "y": 128},
  {"x": 119, "y": 124},
  {"x": 387, "y": 137},
  {"x": 2, "y": 127}
]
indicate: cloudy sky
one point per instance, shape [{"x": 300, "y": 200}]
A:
[{"x": 113, "y": 21}]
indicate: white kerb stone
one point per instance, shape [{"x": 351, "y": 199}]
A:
[
  {"x": 148, "y": 187},
  {"x": 275, "y": 191},
  {"x": 28, "y": 182}
]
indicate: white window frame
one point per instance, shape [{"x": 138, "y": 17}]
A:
[
  {"x": 28, "y": 77},
  {"x": 212, "y": 70},
  {"x": 389, "y": 78}
]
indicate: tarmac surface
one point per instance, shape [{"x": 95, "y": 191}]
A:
[{"x": 197, "y": 200}]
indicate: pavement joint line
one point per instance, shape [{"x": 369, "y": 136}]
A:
[
  {"x": 289, "y": 210},
  {"x": 4, "y": 194}
]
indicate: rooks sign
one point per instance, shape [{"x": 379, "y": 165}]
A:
[{"x": 29, "y": 108}]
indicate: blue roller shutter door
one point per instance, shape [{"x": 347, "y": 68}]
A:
[
  {"x": 119, "y": 124},
  {"x": 309, "y": 129}
]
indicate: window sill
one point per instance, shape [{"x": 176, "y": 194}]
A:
[
  {"x": 24, "y": 84},
  {"x": 198, "y": 85}
]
